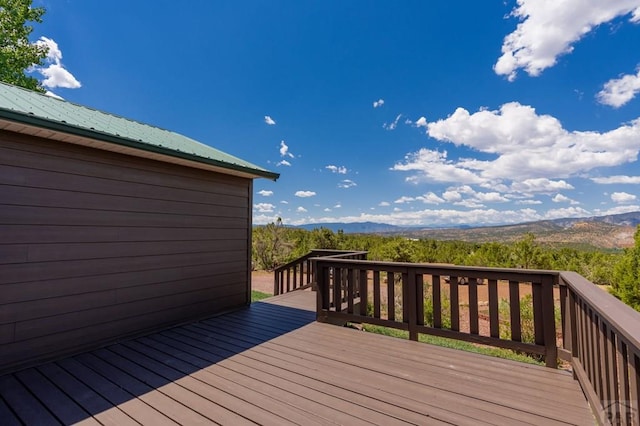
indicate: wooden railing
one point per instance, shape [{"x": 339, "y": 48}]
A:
[
  {"x": 602, "y": 336},
  {"x": 565, "y": 318},
  {"x": 299, "y": 273}
]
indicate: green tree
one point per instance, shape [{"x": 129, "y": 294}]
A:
[
  {"x": 270, "y": 245},
  {"x": 17, "y": 53},
  {"x": 626, "y": 274},
  {"x": 526, "y": 253}
]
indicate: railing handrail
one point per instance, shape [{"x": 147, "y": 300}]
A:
[{"x": 315, "y": 253}]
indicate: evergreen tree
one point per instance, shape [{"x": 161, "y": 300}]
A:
[{"x": 626, "y": 285}]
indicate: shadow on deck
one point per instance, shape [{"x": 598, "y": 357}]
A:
[{"x": 272, "y": 364}]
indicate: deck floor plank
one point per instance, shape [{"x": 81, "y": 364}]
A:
[
  {"x": 27, "y": 407},
  {"x": 7, "y": 416},
  {"x": 61, "y": 405},
  {"x": 87, "y": 398},
  {"x": 420, "y": 394},
  {"x": 249, "y": 394},
  {"x": 379, "y": 390},
  {"x": 134, "y": 407},
  {"x": 273, "y": 364},
  {"x": 448, "y": 372}
]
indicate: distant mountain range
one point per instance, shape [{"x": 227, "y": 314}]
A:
[{"x": 612, "y": 231}]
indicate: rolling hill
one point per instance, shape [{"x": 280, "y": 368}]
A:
[{"x": 608, "y": 232}]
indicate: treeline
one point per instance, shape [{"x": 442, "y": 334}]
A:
[{"x": 275, "y": 244}]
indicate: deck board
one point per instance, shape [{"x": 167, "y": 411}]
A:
[{"x": 273, "y": 364}]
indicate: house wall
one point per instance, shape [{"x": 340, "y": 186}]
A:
[{"x": 95, "y": 246}]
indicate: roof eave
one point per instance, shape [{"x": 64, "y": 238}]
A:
[{"x": 31, "y": 120}]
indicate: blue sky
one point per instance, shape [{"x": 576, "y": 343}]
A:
[{"x": 431, "y": 113}]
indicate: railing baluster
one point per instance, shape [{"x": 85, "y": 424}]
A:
[
  {"x": 623, "y": 372},
  {"x": 391, "y": 299},
  {"x": 350, "y": 290},
  {"x": 514, "y": 311},
  {"x": 538, "y": 321},
  {"x": 454, "y": 300},
  {"x": 549, "y": 322},
  {"x": 437, "y": 301},
  {"x": 337, "y": 289},
  {"x": 634, "y": 385},
  {"x": 474, "y": 324},
  {"x": 420, "y": 299},
  {"x": 364, "y": 292},
  {"x": 376, "y": 294},
  {"x": 410, "y": 304},
  {"x": 604, "y": 362},
  {"x": 494, "y": 314}
]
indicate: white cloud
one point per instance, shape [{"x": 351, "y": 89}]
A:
[
  {"x": 283, "y": 163},
  {"x": 263, "y": 219},
  {"x": 392, "y": 125},
  {"x": 566, "y": 212},
  {"x": 301, "y": 210},
  {"x": 452, "y": 196},
  {"x": 559, "y": 198},
  {"x": 529, "y": 202},
  {"x": 433, "y": 165},
  {"x": 440, "y": 217},
  {"x": 347, "y": 183},
  {"x": 469, "y": 203},
  {"x": 265, "y": 193},
  {"x": 284, "y": 202},
  {"x": 270, "y": 121},
  {"x": 430, "y": 198},
  {"x": 337, "y": 206},
  {"x": 327, "y": 209},
  {"x": 378, "y": 103},
  {"x": 619, "y": 91},
  {"x": 421, "y": 122},
  {"x": 540, "y": 185},
  {"x": 404, "y": 199},
  {"x": 618, "y": 210},
  {"x": 523, "y": 144},
  {"x": 284, "y": 150},
  {"x": 304, "y": 194},
  {"x": 264, "y": 207},
  {"x": 56, "y": 75},
  {"x": 616, "y": 179},
  {"x": 384, "y": 204},
  {"x": 622, "y": 197},
  {"x": 549, "y": 28},
  {"x": 490, "y": 197},
  {"x": 337, "y": 169}
]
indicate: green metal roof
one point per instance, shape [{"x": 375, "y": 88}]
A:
[{"x": 36, "y": 109}]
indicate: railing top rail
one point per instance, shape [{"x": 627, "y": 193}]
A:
[
  {"x": 317, "y": 253},
  {"x": 623, "y": 318},
  {"x": 448, "y": 269}
]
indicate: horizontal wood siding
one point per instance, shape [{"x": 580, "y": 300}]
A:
[{"x": 95, "y": 246}]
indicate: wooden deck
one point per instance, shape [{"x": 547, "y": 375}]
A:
[{"x": 272, "y": 364}]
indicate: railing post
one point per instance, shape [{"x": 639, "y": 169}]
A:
[
  {"x": 322, "y": 294},
  {"x": 548, "y": 315},
  {"x": 276, "y": 286},
  {"x": 410, "y": 302}
]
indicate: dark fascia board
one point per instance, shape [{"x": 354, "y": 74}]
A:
[{"x": 29, "y": 119}]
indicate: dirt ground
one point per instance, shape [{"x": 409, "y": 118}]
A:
[{"x": 262, "y": 281}]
